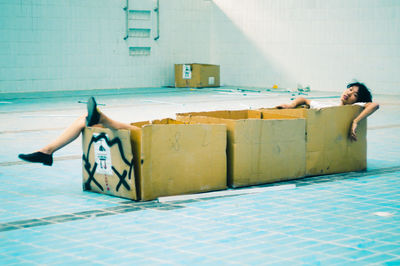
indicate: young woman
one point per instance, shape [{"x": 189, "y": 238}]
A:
[
  {"x": 93, "y": 118},
  {"x": 356, "y": 93}
]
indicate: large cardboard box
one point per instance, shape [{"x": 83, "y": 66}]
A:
[
  {"x": 329, "y": 149},
  {"x": 197, "y": 75},
  {"x": 259, "y": 151},
  {"x": 108, "y": 162},
  {"x": 173, "y": 158}
]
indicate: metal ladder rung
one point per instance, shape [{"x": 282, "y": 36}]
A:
[{"x": 139, "y": 51}]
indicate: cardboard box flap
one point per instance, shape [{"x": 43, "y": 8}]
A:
[
  {"x": 329, "y": 149},
  {"x": 285, "y": 113},
  {"x": 226, "y": 114},
  {"x": 258, "y": 150},
  {"x": 194, "y": 119},
  {"x": 265, "y": 148},
  {"x": 271, "y": 115},
  {"x": 328, "y": 142},
  {"x": 166, "y": 121},
  {"x": 108, "y": 165},
  {"x": 179, "y": 159}
]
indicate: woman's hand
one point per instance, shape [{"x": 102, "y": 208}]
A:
[
  {"x": 353, "y": 131},
  {"x": 369, "y": 109},
  {"x": 296, "y": 102}
]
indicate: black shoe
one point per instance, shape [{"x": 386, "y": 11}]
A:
[
  {"x": 37, "y": 157},
  {"x": 93, "y": 116}
]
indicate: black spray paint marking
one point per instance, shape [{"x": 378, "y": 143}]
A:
[
  {"x": 121, "y": 179},
  {"x": 91, "y": 173},
  {"x": 91, "y": 176}
]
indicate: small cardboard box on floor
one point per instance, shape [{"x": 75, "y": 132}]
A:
[
  {"x": 196, "y": 75},
  {"x": 169, "y": 158},
  {"x": 329, "y": 149},
  {"x": 259, "y": 151}
]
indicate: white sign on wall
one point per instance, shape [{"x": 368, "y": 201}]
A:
[
  {"x": 102, "y": 156},
  {"x": 186, "y": 72}
]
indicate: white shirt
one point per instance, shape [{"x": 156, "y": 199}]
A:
[{"x": 319, "y": 105}]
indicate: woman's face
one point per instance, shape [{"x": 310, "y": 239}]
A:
[{"x": 350, "y": 95}]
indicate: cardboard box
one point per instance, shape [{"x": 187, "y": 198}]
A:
[
  {"x": 108, "y": 162},
  {"x": 259, "y": 151},
  {"x": 197, "y": 75},
  {"x": 329, "y": 149},
  {"x": 173, "y": 158}
]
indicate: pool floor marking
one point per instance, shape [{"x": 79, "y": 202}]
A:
[{"x": 131, "y": 206}]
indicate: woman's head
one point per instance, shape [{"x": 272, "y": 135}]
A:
[{"x": 356, "y": 92}]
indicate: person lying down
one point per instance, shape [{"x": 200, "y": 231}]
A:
[{"x": 355, "y": 93}]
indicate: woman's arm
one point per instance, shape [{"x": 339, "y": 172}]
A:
[
  {"x": 369, "y": 109},
  {"x": 296, "y": 102}
]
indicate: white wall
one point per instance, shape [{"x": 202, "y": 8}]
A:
[
  {"x": 323, "y": 43},
  {"x": 48, "y": 45}
]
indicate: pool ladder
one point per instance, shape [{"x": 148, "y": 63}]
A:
[{"x": 141, "y": 18}]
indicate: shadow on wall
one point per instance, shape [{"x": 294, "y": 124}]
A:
[
  {"x": 243, "y": 63},
  {"x": 324, "y": 44}
]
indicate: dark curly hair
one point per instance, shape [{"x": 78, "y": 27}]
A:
[{"x": 364, "y": 95}]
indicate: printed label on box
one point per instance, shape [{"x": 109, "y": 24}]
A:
[
  {"x": 211, "y": 80},
  {"x": 102, "y": 156},
  {"x": 186, "y": 72}
]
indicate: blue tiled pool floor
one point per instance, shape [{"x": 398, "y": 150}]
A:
[{"x": 46, "y": 218}]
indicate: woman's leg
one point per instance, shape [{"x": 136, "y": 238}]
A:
[
  {"x": 69, "y": 135},
  {"x": 45, "y": 154},
  {"x": 95, "y": 116},
  {"x": 113, "y": 124},
  {"x": 74, "y": 130}
]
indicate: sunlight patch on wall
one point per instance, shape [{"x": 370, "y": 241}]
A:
[{"x": 275, "y": 39}]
